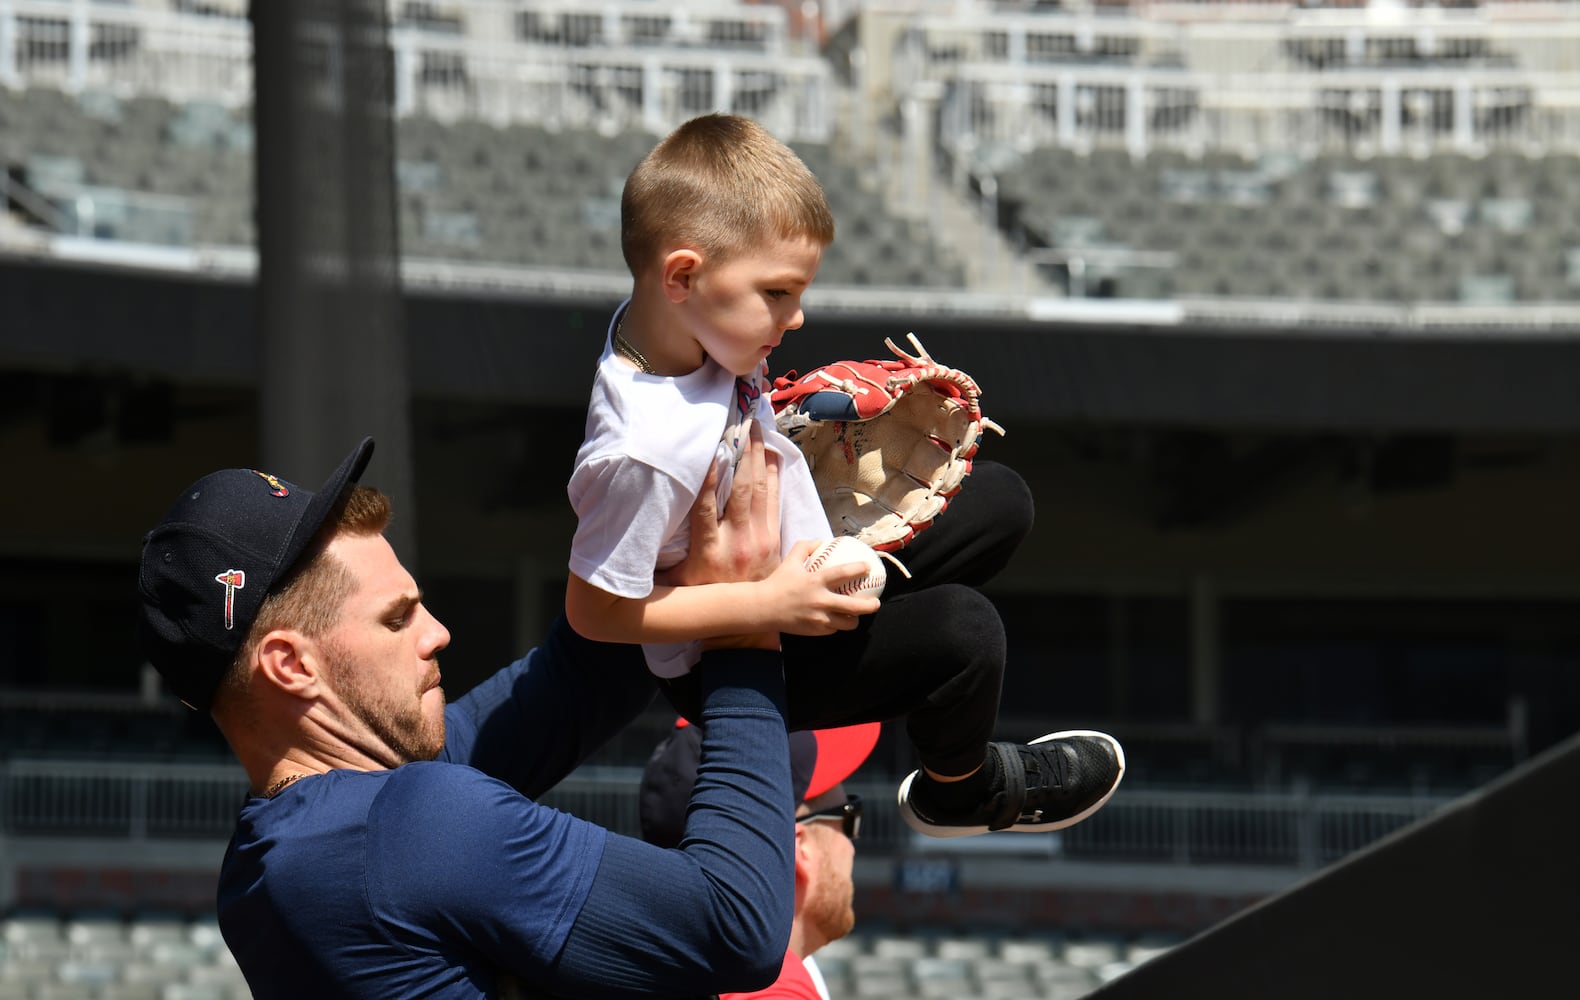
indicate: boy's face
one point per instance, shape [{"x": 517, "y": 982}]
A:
[{"x": 739, "y": 310}]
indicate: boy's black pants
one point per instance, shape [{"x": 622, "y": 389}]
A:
[{"x": 934, "y": 653}]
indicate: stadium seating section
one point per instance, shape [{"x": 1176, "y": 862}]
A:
[
  {"x": 104, "y": 956},
  {"x": 145, "y": 170},
  {"x": 1450, "y": 228},
  {"x": 871, "y": 963},
  {"x": 49, "y": 956}
]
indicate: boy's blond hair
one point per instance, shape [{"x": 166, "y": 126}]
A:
[{"x": 718, "y": 184}]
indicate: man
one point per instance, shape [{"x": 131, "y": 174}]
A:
[
  {"x": 390, "y": 846},
  {"x": 827, "y": 822}
]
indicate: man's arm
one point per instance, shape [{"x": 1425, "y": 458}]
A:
[
  {"x": 460, "y": 862},
  {"x": 715, "y": 914}
]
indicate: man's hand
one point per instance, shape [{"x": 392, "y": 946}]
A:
[{"x": 744, "y": 545}]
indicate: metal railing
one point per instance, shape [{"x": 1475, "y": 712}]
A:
[
  {"x": 108, "y": 799},
  {"x": 622, "y": 79},
  {"x": 999, "y": 106},
  {"x": 143, "y": 803},
  {"x": 1167, "y": 76},
  {"x": 1292, "y": 830},
  {"x": 610, "y": 89}
]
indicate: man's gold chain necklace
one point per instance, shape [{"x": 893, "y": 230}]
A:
[{"x": 275, "y": 788}]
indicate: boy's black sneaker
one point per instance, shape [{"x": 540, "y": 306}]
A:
[{"x": 1052, "y": 782}]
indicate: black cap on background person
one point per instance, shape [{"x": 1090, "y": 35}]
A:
[{"x": 819, "y": 760}]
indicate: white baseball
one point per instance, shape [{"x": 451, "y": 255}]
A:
[{"x": 845, "y": 549}]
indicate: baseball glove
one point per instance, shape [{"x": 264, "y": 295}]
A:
[{"x": 889, "y": 442}]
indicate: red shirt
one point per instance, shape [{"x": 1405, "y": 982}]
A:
[{"x": 794, "y": 983}]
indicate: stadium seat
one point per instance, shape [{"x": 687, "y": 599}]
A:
[
  {"x": 1007, "y": 981},
  {"x": 1572, "y": 266},
  {"x": 225, "y": 977},
  {"x": 23, "y": 974},
  {"x": 1091, "y": 952},
  {"x": 898, "y": 948},
  {"x": 1149, "y": 946},
  {"x": 1486, "y": 289},
  {"x": 1352, "y": 188},
  {"x": 971, "y": 949},
  {"x": 1017, "y": 951},
  {"x": 942, "y": 977},
  {"x": 883, "y": 986},
  {"x": 65, "y": 991},
  {"x": 1507, "y": 215},
  {"x": 196, "y": 991},
  {"x": 88, "y": 973},
  {"x": 152, "y": 975}
]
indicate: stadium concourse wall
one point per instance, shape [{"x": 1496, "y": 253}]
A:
[{"x": 532, "y": 336}]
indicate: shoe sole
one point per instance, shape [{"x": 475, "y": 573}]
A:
[{"x": 939, "y": 831}]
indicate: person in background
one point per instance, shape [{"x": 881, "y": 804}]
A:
[{"x": 828, "y": 821}]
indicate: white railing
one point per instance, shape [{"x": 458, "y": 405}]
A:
[
  {"x": 1306, "y": 81},
  {"x": 1014, "y": 109},
  {"x": 610, "y": 89},
  {"x": 1229, "y": 36},
  {"x": 74, "y": 45},
  {"x": 713, "y": 24},
  {"x": 499, "y": 76}
]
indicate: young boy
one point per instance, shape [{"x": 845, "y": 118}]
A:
[{"x": 723, "y": 228}]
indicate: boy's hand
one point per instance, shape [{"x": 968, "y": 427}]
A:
[{"x": 808, "y": 602}]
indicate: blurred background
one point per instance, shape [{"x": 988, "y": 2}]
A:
[{"x": 1279, "y": 303}]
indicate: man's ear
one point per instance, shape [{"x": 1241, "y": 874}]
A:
[
  {"x": 676, "y": 274},
  {"x": 290, "y": 661},
  {"x": 805, "y": 859}
]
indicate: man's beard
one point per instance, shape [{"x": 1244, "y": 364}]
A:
[
  {"x": 831, "y": 912},
  {"x": 404, "y": 730}
]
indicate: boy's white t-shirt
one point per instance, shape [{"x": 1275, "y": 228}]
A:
[{"x": 649, "y": 443}]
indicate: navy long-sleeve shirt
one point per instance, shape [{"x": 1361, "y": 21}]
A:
[{"x": 443, "y": 879}]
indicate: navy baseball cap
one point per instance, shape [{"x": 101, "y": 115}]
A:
[
  {"x": 819, "y": 760},
  {"x": 226, "y": 543}
]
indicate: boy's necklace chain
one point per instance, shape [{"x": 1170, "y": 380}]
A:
[{"x": 624, "y": 348}]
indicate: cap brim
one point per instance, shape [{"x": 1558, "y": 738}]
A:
[
  {"x": 326, "y": 500},
  {"x": 839, "y": 753}
]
